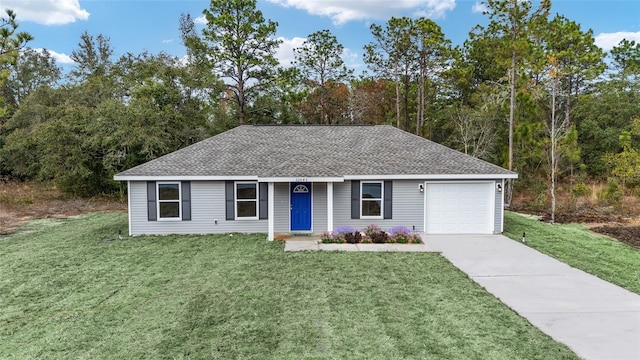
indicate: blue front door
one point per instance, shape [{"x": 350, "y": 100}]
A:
[{"x": 300, "y": 206}]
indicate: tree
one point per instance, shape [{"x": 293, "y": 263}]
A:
[
  {"x": 474, "y": 124},
  {"x": 575, "y": 60},
  {"x": 320, "y": 62},
  {"x": 513, "y": 22},
  {"x": 390, "y": 52},
  {"x": 11, "y": 42},
  {"x": 92, "y": 58},
  {"x": 372, "y": 101},
  {"x": 558, "y": 128},
  {"x": 625, "y": 165},
  {"x": 607, "y": 108},
  {"x": 626, "y": 57},
  {"x": 32, "y": 70},
  {"x": 433, "y": 55},
  {"x": 239, "y": 45}
]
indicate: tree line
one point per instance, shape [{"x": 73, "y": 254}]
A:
[{"x": 529, "y": 91}]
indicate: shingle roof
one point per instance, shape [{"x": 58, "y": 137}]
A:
[{"x": 314, "y": 151}]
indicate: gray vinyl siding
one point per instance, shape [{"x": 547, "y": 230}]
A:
[
  {"x": 319, "y": 212},
  {"x": 498, "y": 209},
  {"x": 407, "y": 207},
  {"x": 207, "y": 205},
  {"x": 281, "y": 208}
]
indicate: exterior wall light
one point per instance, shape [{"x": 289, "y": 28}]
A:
[
  {"x": 499, "y": 187},
  {"x": 421, "y": 187}
]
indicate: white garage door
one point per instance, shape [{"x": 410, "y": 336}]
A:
[{"x": 459, "y": 208}]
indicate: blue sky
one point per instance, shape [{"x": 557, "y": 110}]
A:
[{"x": 152, "y": 25}]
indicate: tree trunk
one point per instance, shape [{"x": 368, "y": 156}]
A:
[
  {"x": 553, "y": 150},
  {"x": 421, "y": 100},
  {"x": 241, "y": 98},
  {"x": 406, "y": 102},
  {"x": 512, "y": 105},
  {"x": 322, "y": 100},
  {"x": 397, "y": 85},
  {"x": 512, "y": 108},
  {"x": 241, "y": 108},
  {"x": 420, "y": 104}
]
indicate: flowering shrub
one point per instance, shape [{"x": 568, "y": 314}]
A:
[
  {"x": 401, "y": 234},
  {"x": 371, "y": 229},
  {"x": 326, "y": 237},
  {"x": 371, "y": 234},
  {"x": 344, "y": 230}
]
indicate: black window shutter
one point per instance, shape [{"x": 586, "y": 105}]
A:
[
  {"x": 388, "y": 196},
  {"x": 186, "y": 200},
  {"x": 355, "y": 199},
  {"x": 264, "y": 200},
  {"x": 230, "y": 208},
  {"x": 152, "y": 213}
]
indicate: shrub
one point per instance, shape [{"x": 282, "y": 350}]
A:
[
  {"x": 379, "y": 237},
  {"x": 371, "y": 233},
  {"x": 581, "y": 189},
  {"x": 612, "y": 193},
  {"x": 326, "y": 237},
  {"x": 400, "y": 234},
  {"x": 353, "y": 237},
  {"x": 371, "y": 229},
  {"x": 340, "y": 234},
  {"x": 415, "y": 239}
]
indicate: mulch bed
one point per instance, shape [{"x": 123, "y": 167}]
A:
[
  {"x": 620, "y": 231},
  {"x": 627, "y": 234},
  {"x": 584, "y": 218}
]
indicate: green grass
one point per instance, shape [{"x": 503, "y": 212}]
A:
[
  {"x": 66, "y": 292},
  {"x": 575, "y": 245}
]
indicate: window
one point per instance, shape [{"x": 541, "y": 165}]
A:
[
  {"x": 169, "y": 197},
  {"x": 371, "y": 199},
  {"x": 246, "y": 200}
]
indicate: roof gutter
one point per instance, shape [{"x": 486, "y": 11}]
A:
[
  {"x": 317, "y": 179},
  {"x": 433, "y": 177}
]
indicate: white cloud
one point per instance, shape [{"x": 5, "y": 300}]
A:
[
  {"x": 479, "y": 7},
  {"x": 167, "y": 41},
  {"x": 351, "y": 59},
  {"x": 342, "y": 11},
  {"x": 285, "y": 54},
  {"x": 607, "y": 41},
  {"x": 200, "y": 20},
  {"x": 59, "y": 57},
  {"x": 47, "y": 12}
]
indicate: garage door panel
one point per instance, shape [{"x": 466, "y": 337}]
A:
[{"x": 459, "y": 208}]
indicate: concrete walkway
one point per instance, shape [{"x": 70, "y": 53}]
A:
[
  {"x": 312, "y": 244},
  {"x": 596, "y": 319}
]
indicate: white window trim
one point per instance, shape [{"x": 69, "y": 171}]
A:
[
  {"x": 381, "y": 216},
  {"x": 179, "y": 201},
  {"x": 236, "y": 200}
]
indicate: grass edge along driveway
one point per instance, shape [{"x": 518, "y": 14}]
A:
[
  {"x": 68, "y": 291},
  {"x": 580, "y": 248}
]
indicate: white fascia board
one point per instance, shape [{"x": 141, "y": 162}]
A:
[
  {"x": 300, "y": 179},
  {"x": 433, "y": 177},
  {"x": 184, "y": 178}
]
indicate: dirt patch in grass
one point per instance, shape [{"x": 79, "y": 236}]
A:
[
  {"x": 585, "y": 218},
  {"x": 24, "y": 201},
  {"x": 626, "y": 234},
  {"x": 622, "y": 228}
]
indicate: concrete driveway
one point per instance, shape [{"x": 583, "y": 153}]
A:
[{"x": 596, "y": 319}]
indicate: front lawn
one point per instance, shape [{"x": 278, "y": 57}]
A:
[
  {"x": 71, "y": 289},
  {"x": 575, "y": 245}
]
